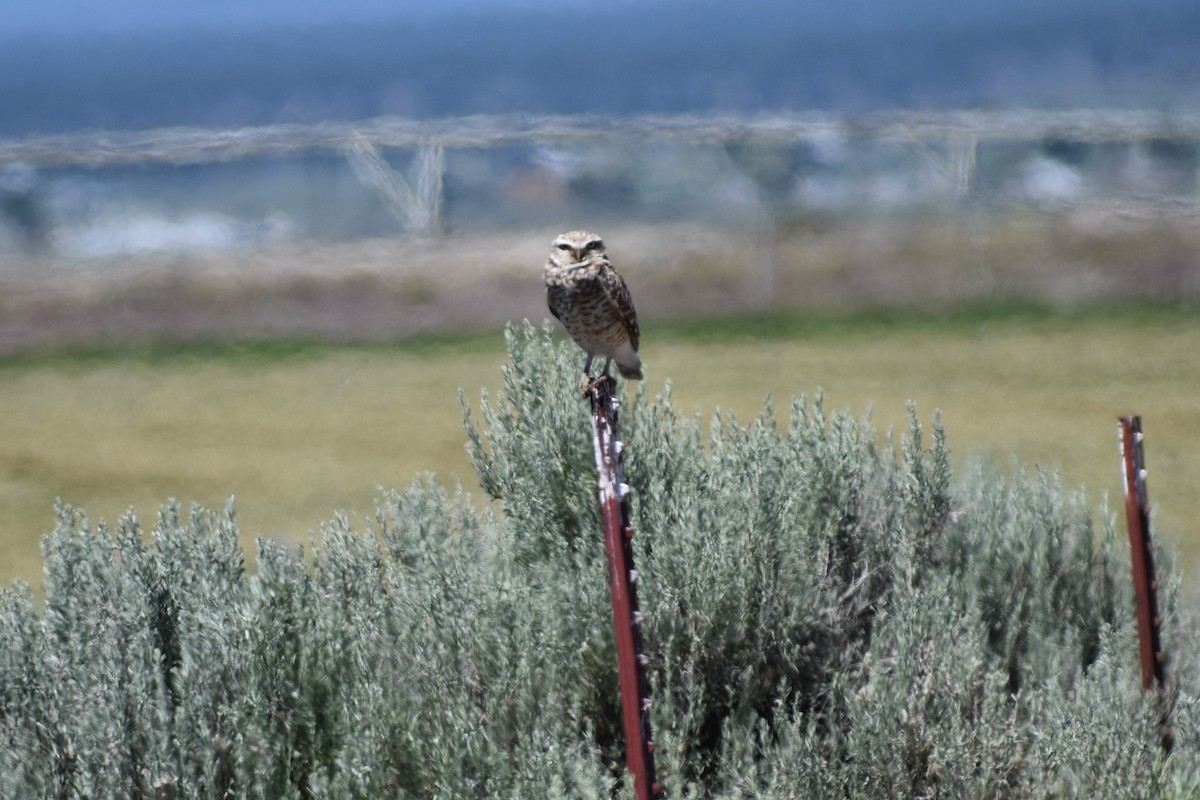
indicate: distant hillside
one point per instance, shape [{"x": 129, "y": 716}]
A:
[{"x": 622, "y": 59}]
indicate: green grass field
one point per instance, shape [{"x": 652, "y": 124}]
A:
[{"x": 298, "y": 432}]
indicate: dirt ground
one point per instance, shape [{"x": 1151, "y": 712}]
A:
[{"x": 381, "y": 289}]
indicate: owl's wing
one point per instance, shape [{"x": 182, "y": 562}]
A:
[
  {"x": 618, "y": 293},
  {"x": 550, "y": 305}
]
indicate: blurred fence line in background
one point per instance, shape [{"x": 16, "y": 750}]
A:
[
  {"x": 947, "y": 145},
  {"x": 188, "y": 145}
]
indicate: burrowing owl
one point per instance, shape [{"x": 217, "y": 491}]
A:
[{"x": 592, "y": 301}]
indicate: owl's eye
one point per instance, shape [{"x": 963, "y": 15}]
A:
[
  {"x": 593, "y": 244},
  {"x": 563, "y": 246}
]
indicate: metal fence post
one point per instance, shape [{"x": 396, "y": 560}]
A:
[
  {"x": 1145, "y": 583},
  {"x": 623, "y": 577}
]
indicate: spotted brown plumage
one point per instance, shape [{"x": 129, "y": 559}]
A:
[{"x": 591, "y": 300}]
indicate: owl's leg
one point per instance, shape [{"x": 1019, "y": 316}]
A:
[
  {"x": 607, "y": 364},
  {"x": 585, "y": 380}
]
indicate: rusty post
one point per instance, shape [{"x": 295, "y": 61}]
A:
[
  {"x": 1145, "y": 583},
  {"x": 627, "y": 619}
]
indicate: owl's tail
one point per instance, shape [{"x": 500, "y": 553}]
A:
[{"x": 629, "y": 363}]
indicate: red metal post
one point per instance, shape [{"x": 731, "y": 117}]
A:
[
  {"x": 1145, "y": 584},
  {"x": 627, "y": 619},
  {"x": 1137, "y": 516}
]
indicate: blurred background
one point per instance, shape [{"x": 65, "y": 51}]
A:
[{"x": 208, "y": 211}]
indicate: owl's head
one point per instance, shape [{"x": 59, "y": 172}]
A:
[{"x": 574, "y": 247}]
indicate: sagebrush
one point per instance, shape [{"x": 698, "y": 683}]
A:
[{"x": 828, "y": 614}]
